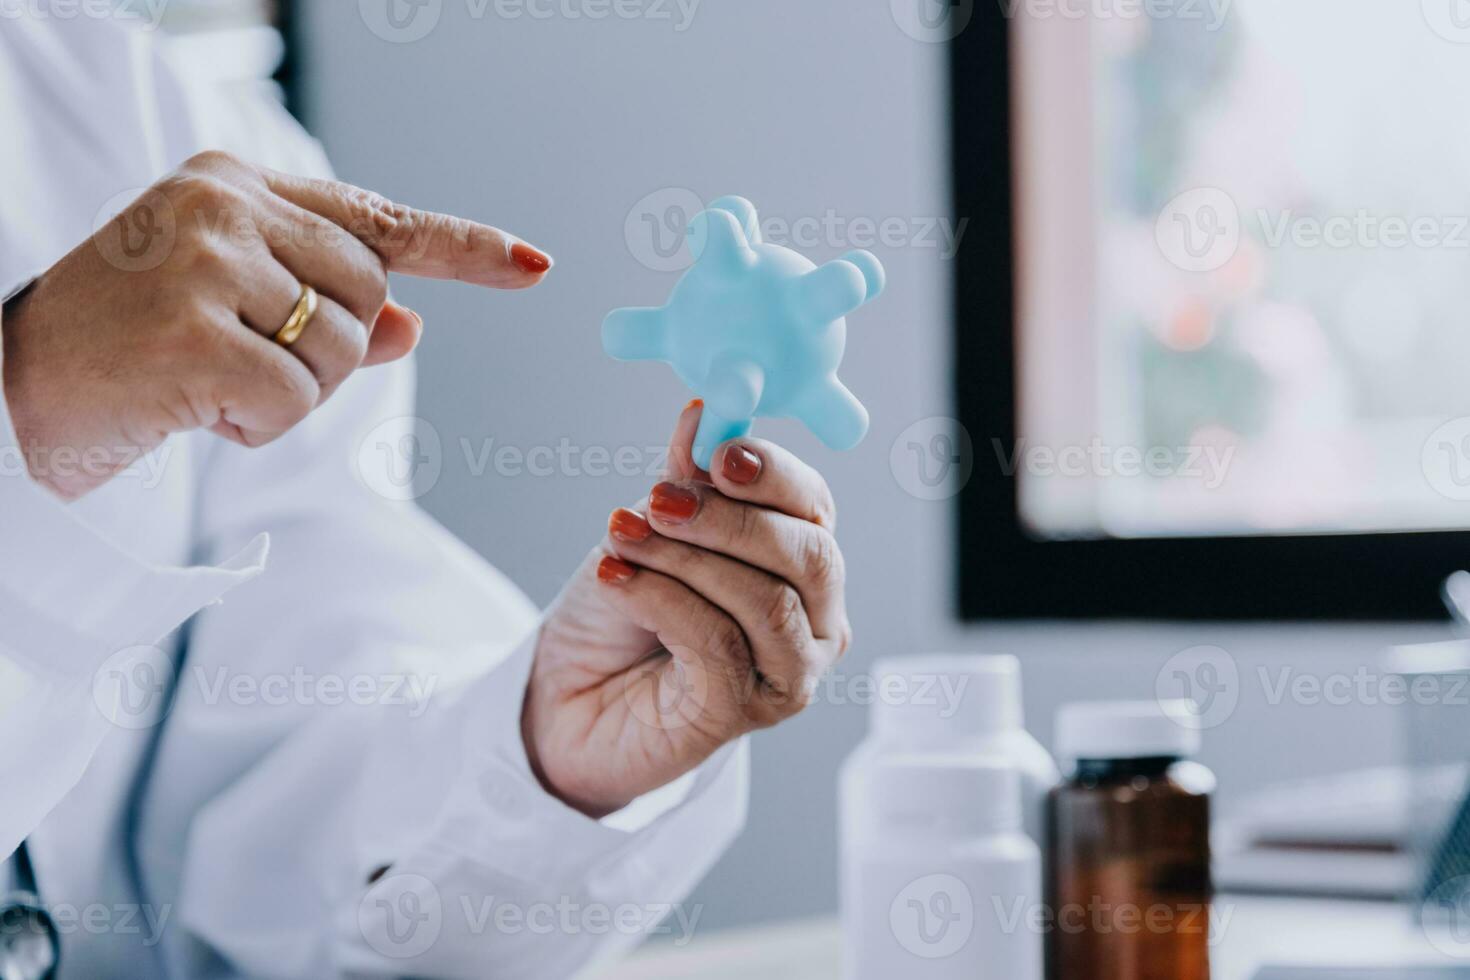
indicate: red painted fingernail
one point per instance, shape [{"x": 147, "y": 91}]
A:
[
  {"x": 694, "y": 403},
  {"x": 741, "y": 465},
  {"x": 613, "y": 571},
  {"x": 530, "y": 259},
  {"x": 673, "y": 504},
  {"x": 628, "y": 525}
]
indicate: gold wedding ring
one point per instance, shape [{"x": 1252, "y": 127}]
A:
[{"x": 299, "y": 319}]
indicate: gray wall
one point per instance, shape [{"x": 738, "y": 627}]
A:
[{"x": 555, "y": 129}]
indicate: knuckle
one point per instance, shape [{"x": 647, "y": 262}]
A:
[
  {"x": 844, "y": 639},
  {"x": 370, "y": 213},
  {"x": 727, "y": 642},
  {"x": 803, "y": 691},
  {"x": 783, "y": 612},
  {"x": 465, "y": 240},
  {"x": 824, "y": 508},
  {"x": 374, "y": 285},
  {"x": 767, "y": 707},
  {"x": 190, "y": 334},
  {"x": 331, "y": 375},
  {"x": 329, "y": 236},
  {"x": 781, "y": 698},
  {"x": 193, "y": 193},
  {"x": 805, "y": 694},
  {"x": 207, "y": 261},
  {"x": 747, "y": 523},
  {"x": 294, "y": 392},
  {"x": 301, "y": 399},
  {"x": 821, "y": 558},
  {"x": 423, "y": 234},
  {"x": 480, "y": 238},
  {"x": 781, "y": 695},
  {"x": 691, "y": 561},
  {"x": 212, "y": 161},
  {"x": 351, "y": 350},
  {"x": 364, "y": 277},
  {"x": 356, "y": 342}
]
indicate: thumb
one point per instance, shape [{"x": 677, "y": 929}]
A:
[
  {"x": 681, "y": 445},
  {"x": 395, "y": 334}
]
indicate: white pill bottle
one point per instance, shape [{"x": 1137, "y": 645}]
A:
[
  {"x": 939, "y": 880},
  {"x": 943, "y": 805},
  {"x": 955, "y": 704}
]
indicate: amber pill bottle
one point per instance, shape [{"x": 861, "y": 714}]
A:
[{"x": 1128, "y": 845}]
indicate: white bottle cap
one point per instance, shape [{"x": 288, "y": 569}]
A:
[
  {"x": 945, "y": 792},
  {"x": 1127, "y": 730},
  {"x": 938, "y": 698}
]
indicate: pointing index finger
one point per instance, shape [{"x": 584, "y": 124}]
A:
[{"x": 414, "y": 242}]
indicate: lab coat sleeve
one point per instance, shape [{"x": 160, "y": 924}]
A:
[
  {"x": 74, "y": 608},
  {"x": 377, "y": 815}
]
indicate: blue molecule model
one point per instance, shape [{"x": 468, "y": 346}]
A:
[{"x": 754, "y": 330}]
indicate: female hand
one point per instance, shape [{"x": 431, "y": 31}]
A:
[
  {"x": 164, "y": 320},
  {"x": 710, "y": 610}
]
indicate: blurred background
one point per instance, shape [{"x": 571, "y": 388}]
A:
[{"x": 1216, "y": 259}]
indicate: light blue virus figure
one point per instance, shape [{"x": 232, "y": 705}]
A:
[{"x": 755, "y": 330}]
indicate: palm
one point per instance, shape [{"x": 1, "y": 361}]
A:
[{"x": 613, "y": 713}]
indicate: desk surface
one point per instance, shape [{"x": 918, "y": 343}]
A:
[{"x": 1255, "y": 931}]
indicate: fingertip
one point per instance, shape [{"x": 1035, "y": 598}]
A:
[
  {"x": 761, "y": 472},
  {"x": 614, "y": 571},
  {"x": 629, "y": 526},
  {"x": 739, "y": 463},
  {"x": 531, "y": 260},
  {"x": 688, "y": 424}
]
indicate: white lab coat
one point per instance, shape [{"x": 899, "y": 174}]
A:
[{"x": 347, "y": 699}]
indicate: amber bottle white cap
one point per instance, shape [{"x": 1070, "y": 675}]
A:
[{"x": 1101, "y": 730}]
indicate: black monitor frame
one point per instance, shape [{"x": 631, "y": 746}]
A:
[{"x": 1005, "y": 572}]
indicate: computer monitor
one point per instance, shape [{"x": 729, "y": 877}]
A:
[{"x": 1216, "y": 367}]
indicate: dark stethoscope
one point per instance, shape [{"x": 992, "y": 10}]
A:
[{"x": 29, "y": 945}]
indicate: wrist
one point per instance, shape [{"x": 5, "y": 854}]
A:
[
  {"x": 586, "y": 806},
  {"x": 23, "y": 389},
  {"x": 12, "y": 383}
]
